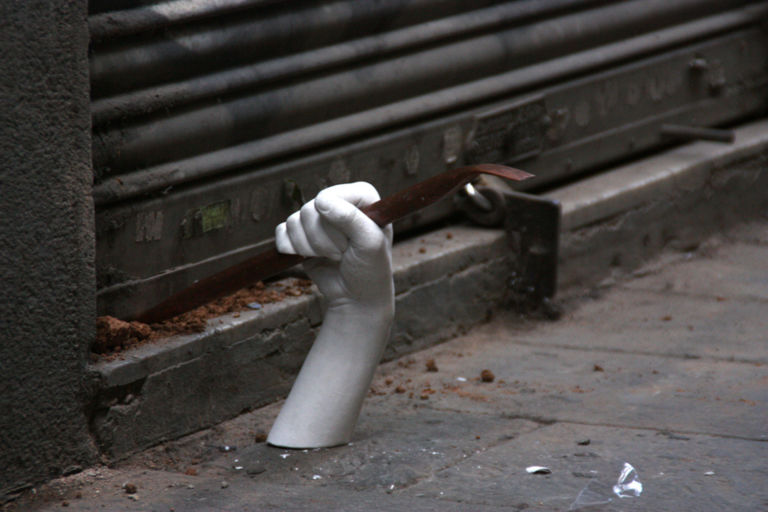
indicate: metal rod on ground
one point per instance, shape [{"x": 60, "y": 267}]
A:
[{"x": 697, "y": 133}]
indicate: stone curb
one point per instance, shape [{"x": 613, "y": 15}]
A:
[
  {"x": 446, "y": 282},
  {"x": 613, "y": 223}
]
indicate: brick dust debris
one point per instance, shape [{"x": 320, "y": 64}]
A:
[{"x": 114, "y": 336}]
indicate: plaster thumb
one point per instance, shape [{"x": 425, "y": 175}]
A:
[{"x": 347, "y": 218}]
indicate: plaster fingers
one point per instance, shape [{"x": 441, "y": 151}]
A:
[
  {"x": 324, "y": 239},
  {"x": 305, "y": 233},
  {"x": 282, "y": 241},
  {"x": 340, "y": 207},
  {"x": 324, "y": 403},
  {"x": 327, "y": 225}
]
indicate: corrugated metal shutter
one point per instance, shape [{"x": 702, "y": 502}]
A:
[{"x": 209, "y": 117}]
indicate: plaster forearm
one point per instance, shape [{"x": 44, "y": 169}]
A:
[
  {"x": 325, "y": 401},
  {"x": 352, "y": 266}
]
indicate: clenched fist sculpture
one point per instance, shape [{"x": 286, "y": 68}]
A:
[{"x": 352, "y": 266}]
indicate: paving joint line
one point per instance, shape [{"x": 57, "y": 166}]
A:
[
  {"x": 541, "y": 421},
  {"x": 546, "y": 422},
  {"x": 465, "y": 456},
  {"x": 519, "y": 507},
  {"x": 700, "y": 296},
  {"x": 746, "y": 241},
  {"x": 666, "y": 431},
  {"x": 689, "y": 357}
]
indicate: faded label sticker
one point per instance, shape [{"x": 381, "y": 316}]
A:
[
  {"x": 215, "y": 216},
  {"x": 208, "y": 218},
  {"x": 508, "y": 133},
  {"x": 149, "y": 226}
]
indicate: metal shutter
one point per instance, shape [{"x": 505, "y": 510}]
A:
[{"x": 212, "y": 118}]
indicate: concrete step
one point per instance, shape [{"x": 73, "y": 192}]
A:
[
  {"x": 621, "y": 378},
  {"x": 447, "y": 281}
]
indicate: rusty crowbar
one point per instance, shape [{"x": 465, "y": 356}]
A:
[{"x": 271, "y": 262}]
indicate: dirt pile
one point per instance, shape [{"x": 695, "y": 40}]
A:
[{"x": 114, "y": 335}]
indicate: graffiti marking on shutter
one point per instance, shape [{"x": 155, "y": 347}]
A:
[{"x": 149, "y": 226}]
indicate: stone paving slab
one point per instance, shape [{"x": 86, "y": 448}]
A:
[
  {"x": 392, "y": 449},
  {"x": 754, "y": 232},
  {"x": 677, "y": 472},
  {"x": 245, "y": 495},
  {"x": 686, "y": 407},
  {"x": 472, "y": 440},
  {"x": 669, "y": 324},
  {"x": 588, "y": 386},
  {"x": 447, "y": 281},
  {"x": 738, "y": 273}
]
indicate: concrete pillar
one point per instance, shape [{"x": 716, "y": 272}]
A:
[{"x": 47, "y": 278}]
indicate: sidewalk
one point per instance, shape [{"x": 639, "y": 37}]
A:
[
  {"x": 667, "y": 371},
  {"x": 446, "y": 282}
]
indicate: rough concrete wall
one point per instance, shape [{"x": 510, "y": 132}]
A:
[{"x": 46, "y": 240}]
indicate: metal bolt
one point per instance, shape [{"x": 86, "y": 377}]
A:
[
  {"x": 698, "y": 64},
  {"x": 716, "y": 78},
  {"x": 696, "y": 133},
  {"x": 477, "y": 198}
]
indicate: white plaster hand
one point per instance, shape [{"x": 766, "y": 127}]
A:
[
  {"x": 352, "y": 267},
  {"x": 352, "y": 263}
]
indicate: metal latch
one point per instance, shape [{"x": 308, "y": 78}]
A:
[{"x": 533, "y": 227}]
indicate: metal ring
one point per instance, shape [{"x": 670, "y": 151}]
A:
[{"x": 477, "y": 198}]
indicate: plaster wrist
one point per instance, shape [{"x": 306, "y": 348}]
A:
[{"x": 375, "y": 312}]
